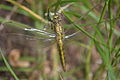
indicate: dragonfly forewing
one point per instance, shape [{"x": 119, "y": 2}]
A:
[{"x": 50, "y": 36}]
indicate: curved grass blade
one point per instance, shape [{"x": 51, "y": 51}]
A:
[
  {"x": 7, "y": 65},
  {"x": 28, "y": 10}
]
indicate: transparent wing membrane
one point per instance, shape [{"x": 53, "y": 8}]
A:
[
  {"x": 34, "y": 34},
  {"x": 51, "y": 35},
  {"x": 42, "y": 32}
]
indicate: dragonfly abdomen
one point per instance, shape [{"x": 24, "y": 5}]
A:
[{"x": 61, "y": 51}]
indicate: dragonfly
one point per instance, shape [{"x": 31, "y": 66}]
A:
[{"x": 58, "y": 34}]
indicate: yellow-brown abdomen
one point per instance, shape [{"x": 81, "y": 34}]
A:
[{"x": 61, "y": 52}]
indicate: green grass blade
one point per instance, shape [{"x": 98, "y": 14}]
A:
[
  {"x": 7, "y": 65},
  {"x": 82, "y": 30}
]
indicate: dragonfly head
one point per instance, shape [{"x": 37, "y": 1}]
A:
[{"x": 57, "y": 18}]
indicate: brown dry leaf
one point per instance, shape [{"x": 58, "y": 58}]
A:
[{"x": 14, "y": 56}]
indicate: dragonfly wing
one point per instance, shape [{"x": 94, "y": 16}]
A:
[
  {"x": 18, "y": 27},
  {"x": 71, "y": 35},
  {"x": 30, "y": 34},
  {"x": 42, "y": 32}
]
